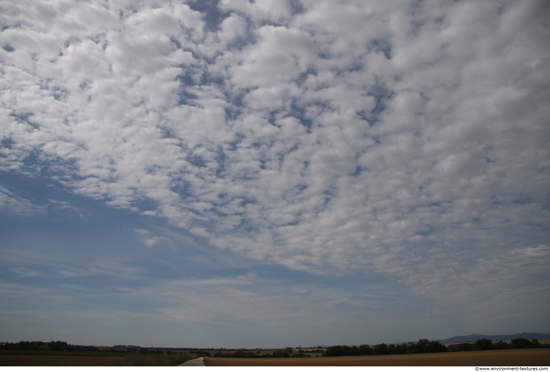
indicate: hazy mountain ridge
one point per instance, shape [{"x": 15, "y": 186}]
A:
[{"x": 474, "y": 337}]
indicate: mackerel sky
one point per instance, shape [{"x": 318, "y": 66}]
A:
[{"x": 267, "y": 173}]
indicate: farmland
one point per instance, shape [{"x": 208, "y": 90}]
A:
[
  {"x": 89, "y": 359},
  {"x": 483, "y": 352},
  {"x": 515, "y": 357},
  {"x": 58, "y": 360}
]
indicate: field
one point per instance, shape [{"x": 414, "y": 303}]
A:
[
  {"x": 517, "y": 357},
  {"x": 86, "y": 360},
  {"x": 58, "y": 360}
]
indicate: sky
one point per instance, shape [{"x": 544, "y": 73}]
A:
[{"x": 233, "y": 173}]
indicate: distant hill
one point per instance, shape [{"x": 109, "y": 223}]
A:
[{"x": 474, "y": 337}]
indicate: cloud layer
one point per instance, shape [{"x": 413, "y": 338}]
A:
[{"x": 410, "y": 141}]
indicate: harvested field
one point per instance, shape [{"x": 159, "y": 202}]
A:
[
  {"x": 517, "y": 357},
  {"x": 58, "y": 360}
]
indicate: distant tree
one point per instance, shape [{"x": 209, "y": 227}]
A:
[
  {"x": 340, "y": 350},
  {"x": 243, "y": 354},
  {"x": 483, "y": 344},
  {"x": 464, "y": 346},
  {"x": 436, "y": 347},
  {"x": 421, "y": 346},
  {"x": 281, "y": 353},
  {"x": 459, "y": 347},
  {"x": 521, "y": 343},
  {"x": 365, "y": 350},
  {"x": 334, "y": 351},
  {"x": 381, "y": 349},
  {"x": 401, "y": 349},
  {"x": 501, "y": 345},
  {"x": 57, "y": 346},
  {"x": 300, "y": 354}
]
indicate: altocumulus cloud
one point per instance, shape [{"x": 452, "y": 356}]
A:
[{"x": 409, "y": 140}]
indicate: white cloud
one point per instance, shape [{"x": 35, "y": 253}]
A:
[
  {"x": 410, "y": 141},
  {"x": 150, "y": 240},
  {"x": 153, "y": 240},
  {"x": 233, "y": 28}
]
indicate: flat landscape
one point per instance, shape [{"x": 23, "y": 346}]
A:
[
  {"x": 25, "y": 359},
  {"x": 517, "y": 357},
  {"x": 58, "y": 360}
]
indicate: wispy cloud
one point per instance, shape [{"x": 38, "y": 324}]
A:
[
  {"x": 12, "y": 204},
  {"x": 150, "y": 240}
]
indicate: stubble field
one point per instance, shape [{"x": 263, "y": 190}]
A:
[{"x": 517, "y": 357}]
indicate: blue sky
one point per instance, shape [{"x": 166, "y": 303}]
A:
[{"x": 273, "y": 173}]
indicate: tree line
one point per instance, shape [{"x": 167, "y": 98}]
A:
[
  {"x": 485, "y": 344},
  {"x": 49, "y": 346},
  {"x": 285, "y": 353},
  {"x": 422, "y": 346},
  {"x": 56, "y": 346},
  {"x": 426, "y": 346}
]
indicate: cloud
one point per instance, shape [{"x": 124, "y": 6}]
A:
[
  {"x": 281, "y": 310},
  {"x": 270, "y": 10},
  {"x": 12, "y": 204},
  {"x": 278, "y": 308},
  {"x": 152, "y": 240},
  {"x": 409, "y": 142},
  {"x": 39, "y": 262},
  {"x": 234, "y": 28},
  {"x": 23, "y": 271},
  {"x": 149, "y": 240}
]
